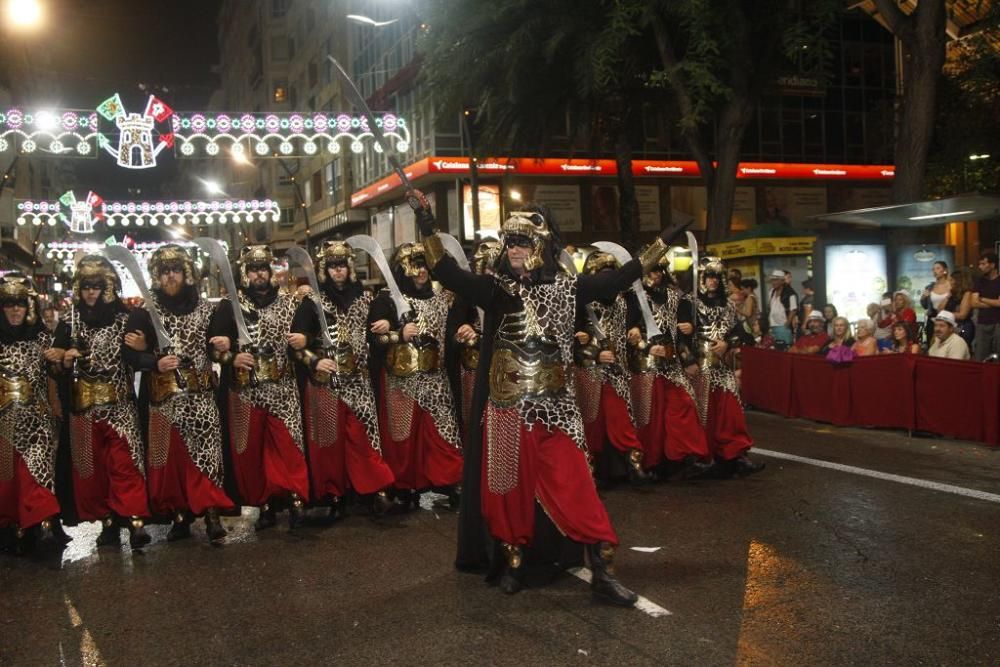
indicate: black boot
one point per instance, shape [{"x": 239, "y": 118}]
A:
[
  {"x": 181, "y": 529},
  {"x": 111, "y": 535},
  {"x": 381, "y": 503},
  {"x": 692, "y": 468},
  {"x": 60, "y": 532},
  {"x": 512, "y": 580},
  {"x": 137, "y": 535},
  {"x": 267, "y": 519},
  {"x": 213, "y": 527},
  {"x": 604, "y": 587},
  {"x": 636, "y": 475},
  {"x": 745, "y": 466},
  {"x": 296, "y": 513},
  {"x": 45, "y": 537}
]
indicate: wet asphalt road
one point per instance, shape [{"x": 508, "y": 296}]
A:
[{"x": 798, "y": 565}]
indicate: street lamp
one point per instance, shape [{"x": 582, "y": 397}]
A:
[
  {"x": 23, "y": 14},
  {"x": 212, "y": 187}
]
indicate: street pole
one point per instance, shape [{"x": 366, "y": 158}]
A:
[{"x": 298, "y": 196}]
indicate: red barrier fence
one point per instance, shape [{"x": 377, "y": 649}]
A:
[{"x": 957, "y": 399}]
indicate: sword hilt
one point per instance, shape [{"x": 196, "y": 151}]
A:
[{"x": 178, "y": 376}]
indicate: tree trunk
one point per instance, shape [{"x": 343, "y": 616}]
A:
[
  {"x": 731, "y": 127},
  {"x": 628, "y": 206}
]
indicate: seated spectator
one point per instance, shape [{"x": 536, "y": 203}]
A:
[
  {"x": 829, "y": 315},
  {"x": 762, "y": 339},
  {"x": 883, "y": 319},
  {"x": 904, "y": 339},
  {"x": 947, "y": 344},
  {"x": 865, "y": 344},
  {"x": 816, "y": 339},
  {"x": 902, "y": 308},
  {"x": 841, "y": 336}
]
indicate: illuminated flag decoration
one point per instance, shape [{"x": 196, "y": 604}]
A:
[
  {"x": 68, "y": 199},
  {"x": 158, "y": 109},
  {"x": 112, "y": 107}
]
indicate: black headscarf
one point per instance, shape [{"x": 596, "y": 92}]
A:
[
  {"x": 342, "y": 297},
  {"x": 24, "y": 331},
  {"x": 182, "y": 303}
]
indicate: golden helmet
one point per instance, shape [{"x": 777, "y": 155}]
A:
[
  {"x": 532, "y": 226},
  {"x": 332, "y": 253},
  {"x": 411, "y": 257},
  {"x": 96, "y": 269},
  {"x": 15, "y": 287},
  {"x": 172, "y": 255},
  {"x": 255, "y": 256}
]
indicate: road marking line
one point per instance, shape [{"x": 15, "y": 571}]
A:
[
  {"x": 912, "y": 481},
  {"x": 644, "y": 604}
]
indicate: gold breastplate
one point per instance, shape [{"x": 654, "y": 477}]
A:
[
  {"x": 529, "y": 371},
  {"x": 406, "y": 359}
]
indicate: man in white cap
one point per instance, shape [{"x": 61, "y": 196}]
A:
[
  {"x": 815, "y": 337},
  {"x": 782, "y": 307},
  {"x": 946, "y": 344}
]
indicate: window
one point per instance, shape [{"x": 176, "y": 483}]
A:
[
  {"x": 280, "y": 95},
  {"x": 280, "y": 48},
  {"x": 317, "y": 188},
  {"x": 279, "y": 8},
  {"x": 287, "y": 217},
  {"x": 334, "y": 184}
]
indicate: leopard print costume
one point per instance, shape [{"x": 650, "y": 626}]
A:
[
  {"x": 430, "y": 390},
  {"x": 715, "y": 321},
  {"x": 28, "y": 428},
  {"x": 268, "y": 327},
  {"x": 354, "y": 390},
  {"x": 553, "y": 305},
  {"x": 104, "y": 362},
  {"x": 613, "y": 320},
  {"x": 194, "y": 415}
]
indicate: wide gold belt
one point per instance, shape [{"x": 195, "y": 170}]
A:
[
  {"x": 266, "y": 369},
  {"x": 15, "y": 390},
  {"x": 347, "y": 365},
  {"x": 164, "y": 385},
  {"x": 513, "y": 378},
  {"x": 470, "y": 358},
  {"x": 94, "y": 393},
  {"x": 404, "y": 359},
  {"x": 641, "y": 361}
]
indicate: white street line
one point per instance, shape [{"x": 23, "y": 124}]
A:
[
  {"x": 644, "y": 604},
  {"x": 912, "y": 481}
]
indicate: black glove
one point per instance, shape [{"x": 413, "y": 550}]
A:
[
  {"x": 673, "y": 232},
  {"x": 422, "y": 210}
]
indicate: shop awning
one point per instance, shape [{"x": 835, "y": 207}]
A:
[{"x": 960, "y": 208}]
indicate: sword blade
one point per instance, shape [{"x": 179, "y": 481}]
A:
[
  {"x": 217, "y": 253},
  {"x": 371, "y": 246},
  {"x": 623, "y": 256},
  {"x": 454, "y": 248},
  {"x": 693, "y": 245},
  {"x": 302, "y": 258},
  {"x": 122, "y": 255}
]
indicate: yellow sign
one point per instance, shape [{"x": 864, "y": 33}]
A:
[{"x": 790, "y": 245}]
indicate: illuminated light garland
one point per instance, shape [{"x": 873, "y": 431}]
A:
[
  {"x": 55, "y": 131},
  {"x": 140, "y": 214},
  {"x": 267, "y": 134}
]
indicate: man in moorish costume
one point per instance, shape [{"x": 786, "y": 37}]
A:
[
  {"x": 420, "y": 439},
  {"x": 265, "y": 419},
  {"x": 27, "y": 438},
  {"x": 184, "y": 463},
  {"x": 602, "y": 383},
  {"x": 662, "y": 395},
  {"x": 533, "y": 442},
  {"x": 109, "y": 479},
  {"x": 717, "y": 388},
  {"x": 342, "y": 430}
]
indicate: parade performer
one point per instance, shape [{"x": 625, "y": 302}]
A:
[
  {"x": 27, "y": 440},
  {"x": 662, "y": 395},
  {"x": 465, "y": 328},
  {"x": 720, "y": 410},
  {"x": 109, "y": 478},
  {"x": 342, "y": 430},
  {"x": 184, "y": 461},
  {"x": 265, "y": 417},
  {"x": 532, "y": 435},
  {"x": 602, "y": 383},
  {"x": 420, "y": 437}
]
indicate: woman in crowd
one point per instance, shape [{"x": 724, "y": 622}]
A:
[
  {"x": 904, "y": 339},
  {"x": 935, "y": 297},
  {"x": 830, "y": 315},
  {"x": 902, "y": 308},
  {"x": 762, "y": 339},
  {"x": 840, "y": 335},
  {"x": 749, "y": 310},
  {"x": 865, "y": 345},
  {"x": 960, "y": 304}
]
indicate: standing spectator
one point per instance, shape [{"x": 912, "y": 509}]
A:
[
  {"x": 783, "y": 304},
  {"x": 884, "y": 319},
  {"x": 865, "y": 345},
  {"x": 735, "y": 273},
  {"x": 806, "y": 303},
  {"x": 935, "y": 296},
  {"x": 815, "y": 338},
  {"x": 840, "y": 336},
  {"x": 749, "y": 310},
  {"x": 829, "y": 316},
  {"x": 904, "y": 339},
  {"x": 946, "y": 344},
  {"x": 735, "y": 293},
  {"x": 986, "y": 298},
  {"x": 960, "y": 305}
]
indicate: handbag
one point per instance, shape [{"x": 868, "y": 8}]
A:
[{"x": 840, "y": 355}]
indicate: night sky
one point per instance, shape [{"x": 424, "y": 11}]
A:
[{"x": 92, "y": 49}]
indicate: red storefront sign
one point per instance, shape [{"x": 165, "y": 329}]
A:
[{"x": 459, "y": 166}]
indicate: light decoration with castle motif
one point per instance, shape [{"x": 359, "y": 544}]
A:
[
  {"x": 137, "y": 146},
  {"x": 142, "y": 214}
]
